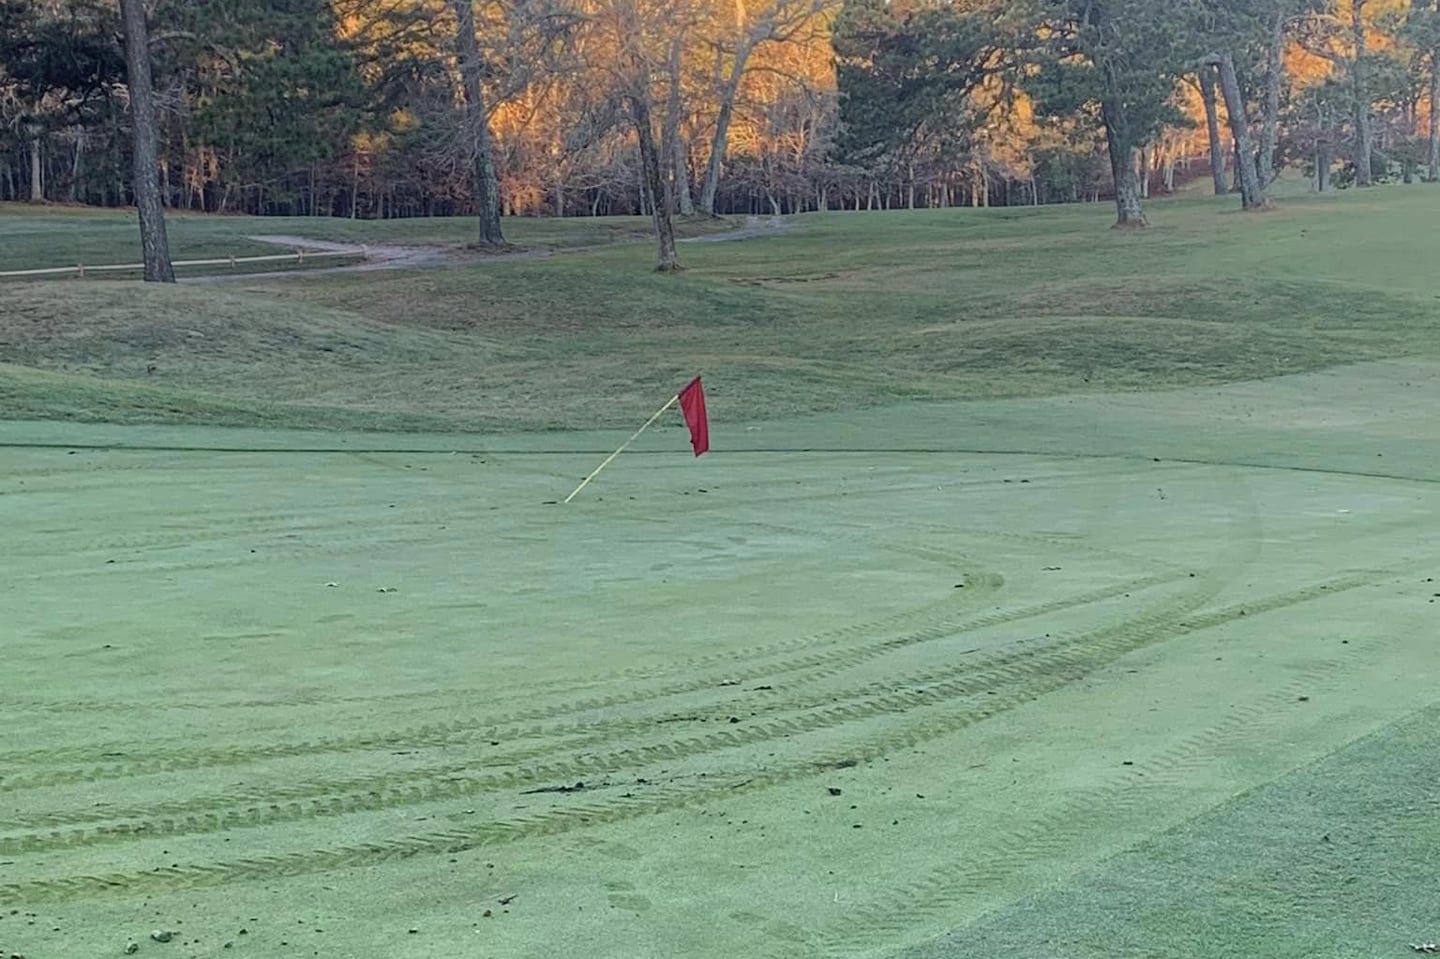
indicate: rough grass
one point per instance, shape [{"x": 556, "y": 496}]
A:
[
  {"x": 37, "y": 237},
  {"x": 839, "y": 312}
]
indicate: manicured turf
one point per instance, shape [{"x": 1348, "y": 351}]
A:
[
  {"x": 909, "y": 666},
  {"x": 1319, "y": 862}
]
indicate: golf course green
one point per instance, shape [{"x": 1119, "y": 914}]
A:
[{"x": 1049, "y": 592}]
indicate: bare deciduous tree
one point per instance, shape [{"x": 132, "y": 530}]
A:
[
  {"x": 477, "y": 125},
  {"x": 779, "y": 22}
]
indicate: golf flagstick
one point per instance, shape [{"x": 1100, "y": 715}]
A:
[{"x": 633, "y": 437}]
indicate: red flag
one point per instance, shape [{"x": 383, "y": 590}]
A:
[{"x": 692, "y": 404}]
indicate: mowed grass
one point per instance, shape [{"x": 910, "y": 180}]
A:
[
  {"x": 1323, "y": 862},
  {"x": 840, "y": 311}
]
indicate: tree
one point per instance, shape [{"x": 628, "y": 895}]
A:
[
  {"x": 1422, "y": 31},
  {"x": 372, "y": 108},
  {"x": 674, "y": 141},
  {"x": 271, "y": 90},
  {"x": 1429, "y": 40},
  {"x": 1312, "y": 126},
  {"x": 1433, "y": 52},
  {"x": 1206, "y": 82},
  {"x": 634, "y": 34},
  {"x": 486, "y": 196},
  {"x": 1274, "y": 82},
  {"x": 1124, "y": 57},
  {"x": 154, "y": 244},
  {"x": 909, "y": 81},
  {"x": 1364, "y": 136},
  {"x": 1252, "y": 193},
  {"x": 57, "y": 62},
  {"x": 779, "y": 21}
]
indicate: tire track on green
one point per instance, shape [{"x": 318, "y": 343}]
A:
[
  {"x": 888, "y": 919},
  {"x": 984, "y": 583},
  {"x": 211, "y": 529},
  {"x": 941, "y": 681},
  {"x": 360, "y": 542},
  {"x": 727, "y": 504},
  {"x": 940, "y": 625},
  {"x": 1062, "y": 666}
]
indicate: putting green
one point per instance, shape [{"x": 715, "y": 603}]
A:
[{"x": 842, "y": 688}]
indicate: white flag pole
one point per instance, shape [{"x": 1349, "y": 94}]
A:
[{"x": 633, "y": 437}]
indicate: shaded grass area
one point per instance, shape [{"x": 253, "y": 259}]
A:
[
  {"x": 841, "y": 311},
  {"x": 29, "y": 394},
  {"x": 1331, "y": 860},
  {"x": 38, "y": 237}
]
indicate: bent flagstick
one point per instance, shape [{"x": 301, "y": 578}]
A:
[{"x": 692, "y": 406}]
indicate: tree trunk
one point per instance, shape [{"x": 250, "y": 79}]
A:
[
  {"x": 1364, "y": 137},
  {"x": 1322, "y": 169},
  {"x": 1129, "y": 211},
  {"x": 654, "y": 181},
  {"x": 675, "y": 141},
  {"x": 682, "y": 178},
  {"x": 1270, "y": 118},
  {"x": 1212, "y": 122},
  {"x": 718, "y": 142},
  {"x": 1435, "y": 108},
  {"x": 37, "y": 171},
  {"x": 75, "y": 167},
  {"x": 486, "y": 183},
  {"x": 1142, "y": 161},
  {"x": 154, "y": 244},
  {"x": 1252, "y": 194}
]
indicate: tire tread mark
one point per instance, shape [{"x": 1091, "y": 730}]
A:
[
  {"x": 450, "y": 781},
  {"x": 530, "y": 690},
  {"x": 1093, "y": 651},
  {"x": 941, "y": 892},
  {"x": 942, "y": 624}
]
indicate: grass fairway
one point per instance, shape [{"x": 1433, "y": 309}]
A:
[{"x": 1042, "y": 598}]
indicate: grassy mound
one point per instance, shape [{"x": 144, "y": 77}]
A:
[{"x": 838, "y": 312}]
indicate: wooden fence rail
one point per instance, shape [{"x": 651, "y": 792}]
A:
[{"x": 80, "y": 270}]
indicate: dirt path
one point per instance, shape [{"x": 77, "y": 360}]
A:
[
  {"x": 386, "y": 256},
  {"x": 381, "y": 256},
  {"x": 755, "y": 226},
  {"x": 377, "y": 257}
]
